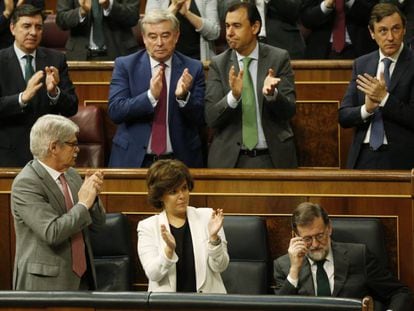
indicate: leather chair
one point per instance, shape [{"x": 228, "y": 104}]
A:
[
  {"x": 368, "y": 231},
  {"x": 248, "y": 269},
  {"x": 91, "y": 137},
  {"x": 112, "y": 249},
  {"x": 53, "y": 37}
]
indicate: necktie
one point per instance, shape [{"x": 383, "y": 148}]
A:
[
  {"x": 322, "y": 281},
  {"x": 377, "y": 125},
  {"x": 159, "y": 127},
  {"x": 77, "y": 242},
  {"x": 28, "y": 68},
  {"x": 338, "y": 33},
  {"x": 249, "y": 129},
  {"x": 97, "y": 28}
]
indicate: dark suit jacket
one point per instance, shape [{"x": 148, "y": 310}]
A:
[
  {"x": 357, "y": 274},
  {"x": 130, "y": 108},
  {"x": 321, "y": 25},
  {"x": 43, "y": 259},
  {"x": 282, "y": 28},
  {"x": 16, "y": 122},
  {"x": 227, "y": 122},
  {"x": 398, "y": 112},
  {"x": 118, "y": 35}
]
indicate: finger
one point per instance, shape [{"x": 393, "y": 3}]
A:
[{"x": 270, "y": 72}]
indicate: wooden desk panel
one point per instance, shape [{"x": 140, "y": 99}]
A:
[
  {"x": 272, "y": 194},
  {"x": 320, "y": 86}
]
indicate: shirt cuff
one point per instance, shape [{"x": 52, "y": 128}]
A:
[
  {"x": 364, "y": 113},
  {"x": 152, "y": 99},
  {"x": 109, "y": 9},
  {"x": 54, "y": 99},
  {"x": 325, "y": 9},
  {"x": 292, "y": 281},
  {"x": 21, "y": 103},
  {"x": 183, "y": 102},
  {"x": 232, "y": 101}
]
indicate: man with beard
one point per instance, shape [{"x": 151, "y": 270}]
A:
[{"x": 317, "y": 266}]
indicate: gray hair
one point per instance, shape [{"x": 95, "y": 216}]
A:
[
  {"x": 47, "y": 129},
  {"x": 159, "y": 16}
]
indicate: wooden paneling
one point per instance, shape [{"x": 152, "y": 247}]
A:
[
  {"x": 320, "y": 86},
  {"x": 271, "y": 194}
]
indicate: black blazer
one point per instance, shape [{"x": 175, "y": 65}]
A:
[
  {"x": 357, "y": 274},
  {"x": 321, "y": 25},
  {"x": 16, "y": 122},
  {"x": 398, "y": 112}
]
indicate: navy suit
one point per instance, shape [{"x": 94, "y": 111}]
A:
[
  {"x": 131, "y": 109},
  {"x": 357, "y": 274},
  {"x": 15, "y": 121},
  {"x": 398, "y": 112}
]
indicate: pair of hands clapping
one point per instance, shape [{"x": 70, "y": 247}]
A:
[
  {"x": 91, "y": 187},
  {"x": 214, "y": 226},
  {"x": 236, "y": 82},
  {"x": 183, "y": 85},
  {"x": 35, "y": 83}
]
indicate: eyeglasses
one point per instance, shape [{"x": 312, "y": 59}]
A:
[
  {"x": 320, "y": 237},
  {"x": 72, "y": 144}
]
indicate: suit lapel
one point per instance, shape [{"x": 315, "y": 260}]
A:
[
  {"x": 341, "y": 264},
  {"x": 50, "y": 184},
  {"x": 305, "y": 280},
  {"x": 400, "y": 68},
  {"x": 262, "y": 69},
  {"x": 15, "y": 64}
]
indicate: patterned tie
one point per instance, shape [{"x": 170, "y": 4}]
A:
[
  {"x": 376, "y": 138},
  {"x": 97, "y": 27},
  {"x": 159, "y": 127},
  {"x": 78, "y": 245},
  {"x": 322, "y": 281},
  {"x": 338, "y": 33},
  {"x": 249, "y": 130},
  {"x": 28, "y": 68}
]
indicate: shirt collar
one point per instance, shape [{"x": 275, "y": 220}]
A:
[
  {"x": 154, "y": 63},
  {"x": 254, "y": 54},
  {"x": 20, "y": 54},
  {"x": 394, "y": 57},
  {"x": 52, "y": 172}
]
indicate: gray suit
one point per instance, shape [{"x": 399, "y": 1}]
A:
[
  {"x": 119, "y": 38},
  {"x": 357, "y": 274},
  {"x": 275, "y": 115},
  {"x": 43, "y": 259}
]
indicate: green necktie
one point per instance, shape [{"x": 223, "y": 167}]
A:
[
  {"x": 28, "y": 68},
  {"x": 249, "y": 120},
  {"x": 322, "y": 281}
]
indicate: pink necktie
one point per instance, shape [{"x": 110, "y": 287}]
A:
[
  {"x": 78, "y": 245},
  {"x": 338, "y": 33},
  {"x": 159, "y": 128}
]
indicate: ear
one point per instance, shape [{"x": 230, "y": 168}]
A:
[
  {"x": 371, "y": 33},
  {"x": 330, "y": 228},
  {"x": 256, "y": 27},
  {"x": 12, "y": 28},
  {"x": 53, "y": 146}
]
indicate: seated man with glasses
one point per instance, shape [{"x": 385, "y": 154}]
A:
[{"x": 317, "y": 266}]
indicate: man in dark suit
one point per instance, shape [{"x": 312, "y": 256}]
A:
[
  {"x": 266, "y": 141},
  {"x": 53, "y": 209},
  {"x": 48, "y": 88},
  {"x": 6, "y": 11},
  {"x": 320, "y": 17},
  {"x": 113, "y": 19},
  {"x": 379, "y": 101},
  {"x": 317, "y": 266},
  {"x": 156, "y": 97}
]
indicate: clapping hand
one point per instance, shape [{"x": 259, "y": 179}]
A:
[
  {"x": 215, "y": 223},
  {"x": 169, "y": 241}
]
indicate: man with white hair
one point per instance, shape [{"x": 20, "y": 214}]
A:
[{"x": 52, "y": 209}]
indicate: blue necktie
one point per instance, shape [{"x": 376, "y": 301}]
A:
[{"x": 377, "y": 125}]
